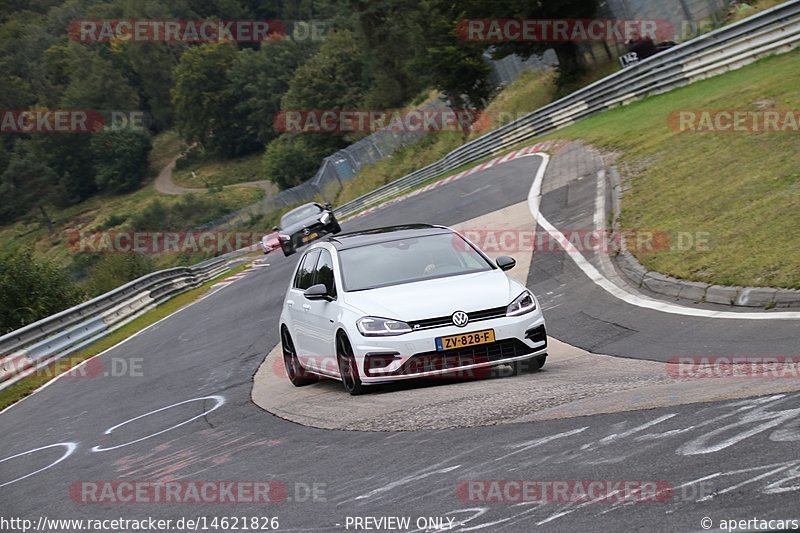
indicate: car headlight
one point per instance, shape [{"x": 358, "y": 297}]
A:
[
  {"x": 524, "y": 303},
  {"x": 326, "y": 217},
  {"x": 371, "y": 326}
]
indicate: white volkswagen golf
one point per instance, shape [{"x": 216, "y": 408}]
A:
[{"x": 405, "y": 302}]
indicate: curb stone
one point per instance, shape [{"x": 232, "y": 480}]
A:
[
  {"x": 719, "y": 294},
  {"x": 693, "y": 290},
  {"x": 632, "y": 269},
  {"x": 662, "y": 284}
]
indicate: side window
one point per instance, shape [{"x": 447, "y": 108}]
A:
[
  {"x": 325, "y": 272},
  {"x": 305, "y": 272}
]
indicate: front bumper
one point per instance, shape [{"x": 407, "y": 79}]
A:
[
  {"x": 298, "y": 239},
  {"x": 414, "y": 354}
]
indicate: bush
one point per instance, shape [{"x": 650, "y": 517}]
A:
[
  {"x": 121, "y": 159},
  {"x": 191, "y": 158},
  {"x": 189, "y": 212},
  {"x": 31, "y": 290},
  {"x": 114, "y": 270},
  {"x": 290, "y": 160},
  {"x": 113, "y": 221}
]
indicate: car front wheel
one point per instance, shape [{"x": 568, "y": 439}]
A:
[
  {"x": 288, "y": 249},
  {"x": 529, "y": 365},
  {"x": 348, "y": 369}
]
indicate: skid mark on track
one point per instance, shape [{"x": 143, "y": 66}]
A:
[{"x": 188, "y": 455}]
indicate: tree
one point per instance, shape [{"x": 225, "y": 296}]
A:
[
  {"x": 205, "y": 108},
  {"x": 290, "y": 160},
  {"x": 31, "y": 290},
  {"x": 570, "y": 61},
  {"x": 333, "y": 78},
  {"x": 120, "y": 158},
  {"x": 23, "y": 40},
  {"x": 79, "y": 77},
  {"x": 152, "y": 67},
  {"x": 94, "y": 81},
  {"x": 259, "y": 79},
  {"x": 453, "y": 66},
  {"x": 392, "y": 38},
  {"x": 27, "y": 185}
]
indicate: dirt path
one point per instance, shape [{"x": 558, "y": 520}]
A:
[{"x": 165, "y": 185}]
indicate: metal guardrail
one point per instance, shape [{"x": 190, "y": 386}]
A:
[
  {"x": 772, "y": 31},
  {"x": 24, "y": 351}
]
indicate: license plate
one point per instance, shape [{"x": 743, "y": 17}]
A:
[
  {"x": 466, "y": 339},
  {"x": 309, "y": 237}
]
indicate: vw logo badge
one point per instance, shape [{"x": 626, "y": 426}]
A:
[
  {"x": 460, "y": 319},
  {"x": 307, "y": 231}
]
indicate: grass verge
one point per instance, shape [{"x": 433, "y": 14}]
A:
[
  {"x": 220, "y": 172},
  {"x": 741, "y": 189},
  {"x": 26, "y": 386}
]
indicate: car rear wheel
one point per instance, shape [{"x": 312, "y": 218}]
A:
[
  {"x": 298, "y": 375},
  {"x": 529, "y": 365},
  {"x": 348, "y": 369}
]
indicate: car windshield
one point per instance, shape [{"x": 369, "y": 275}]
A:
[
  {"x": 409, "y": 260},
  {"x": 299, "y": 214}
]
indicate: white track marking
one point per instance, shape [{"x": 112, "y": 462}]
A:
[
  {"x": 534, "y": 199},
  {"x": 220, "y": 402},
  {"x": 69, "y": 448}
]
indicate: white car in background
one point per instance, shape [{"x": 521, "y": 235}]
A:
[{"x": 405, "y": 302}]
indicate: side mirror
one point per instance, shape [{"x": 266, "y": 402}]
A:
[
  {"x": 506, "y": 263},
  {"x": 275, "y": 228},
  {"x": 328, "y": 206},
  {"x": 317, "y": 292}
]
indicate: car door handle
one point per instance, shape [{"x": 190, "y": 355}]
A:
[
  {"x": 306, "y": 307},
  {"x": 289, "y": 303}
]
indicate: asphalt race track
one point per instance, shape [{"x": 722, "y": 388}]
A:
[{"x": 187, "y": 415}]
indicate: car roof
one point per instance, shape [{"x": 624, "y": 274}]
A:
[{"x": 354, "y": 239}]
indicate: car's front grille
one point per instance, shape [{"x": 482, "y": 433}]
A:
[
  {"x": 442, "y": 321},
  {"x": 298, "y": 236},
  {"x": 460, "y": 357}
]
